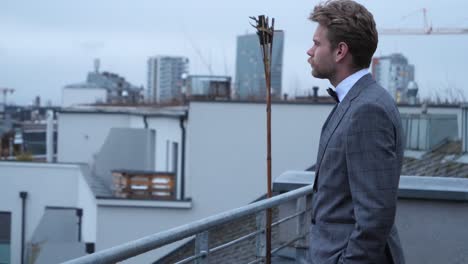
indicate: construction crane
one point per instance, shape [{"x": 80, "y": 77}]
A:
[
  {"x": 426, "y": 30},
  {"x": 196, "y": 48},
  {"x": 5, "y": 92}
]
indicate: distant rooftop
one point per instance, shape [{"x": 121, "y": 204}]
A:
[
  {"x": 169, "y": 111},
  {"x": 84, "y": 85},
  {"x": 444, "y": 160},
  {"x": 107, "y": 80},
  {"x": 309, "y": 99}
]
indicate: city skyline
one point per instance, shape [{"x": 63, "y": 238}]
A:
[{"x": 50, "y": 44}]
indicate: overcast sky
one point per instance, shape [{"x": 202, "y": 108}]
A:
[{"x": 47, "y": 44}]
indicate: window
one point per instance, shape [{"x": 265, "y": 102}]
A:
[{"x": 5, "y": 237}]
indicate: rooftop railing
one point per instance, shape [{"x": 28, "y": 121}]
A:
[{"x": 200, "y": 229}]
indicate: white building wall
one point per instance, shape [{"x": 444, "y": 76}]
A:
[
  {"x": 226, "y": 164},
  {"x": 168, "y": 131},
  {"x": 81, "y": 135},
  {"x": 46, "y": 185},
  {"x": 79, "y": 96},
  {"x": 118, "y": 225},
  {"x": 136, "y": 121},
  {"x": 440, "y": 224}
]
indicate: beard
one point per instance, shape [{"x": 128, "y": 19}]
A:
[
  {"x": 318, "y": 74},
  {"x": 321, "y": 73}
]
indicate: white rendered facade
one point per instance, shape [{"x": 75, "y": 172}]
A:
[
  {"x": 82, "y": 134},
  {"x": 59, "y": 185}
]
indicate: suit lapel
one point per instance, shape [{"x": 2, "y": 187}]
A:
[
  {"x": 334, "y": 120},
  {"x": 329, "y": 116}
]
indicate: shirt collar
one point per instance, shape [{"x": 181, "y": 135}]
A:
[{"x": 344, "y": 86}]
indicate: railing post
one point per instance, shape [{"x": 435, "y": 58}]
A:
[
  {"x": 128, "y": 186},
  {"x": 150, "y": 185},
  {"x": 260, "y": 242},
  {"x": 301, "y": 230},
  {"x": 201, "y": 247}
]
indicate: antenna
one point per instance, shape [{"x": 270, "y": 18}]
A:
[{"x": 225, "y": 63}]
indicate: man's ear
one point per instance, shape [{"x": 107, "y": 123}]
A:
[{"x": 341, "y": 51}]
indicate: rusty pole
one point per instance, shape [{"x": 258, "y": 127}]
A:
[{"x": 265, "y": 34}]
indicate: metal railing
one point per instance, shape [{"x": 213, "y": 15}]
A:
[{"x": 200, "y": 228}]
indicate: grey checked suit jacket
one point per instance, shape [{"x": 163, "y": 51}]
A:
[{"x": 357, "y": 174}]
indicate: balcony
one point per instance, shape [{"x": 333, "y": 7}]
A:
[{"x": 144, "y": 185}]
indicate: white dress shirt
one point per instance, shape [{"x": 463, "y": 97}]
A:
[{"x": 344, "y": 86}]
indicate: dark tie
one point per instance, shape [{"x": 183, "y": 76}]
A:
[{"x": 333, "y": 94}]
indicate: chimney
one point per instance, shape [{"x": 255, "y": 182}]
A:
[{"x": 315, "y": 88}]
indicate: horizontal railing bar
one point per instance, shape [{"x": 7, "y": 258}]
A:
[
  {"x": 151, "y": 242},
  {"x": 289, "y": 217},
  {"x": 190, "y": 259},
  {"x": 256, "y": 261},
  {"x": 288, "y": 243},
  {"x": 237, "y": 240}
]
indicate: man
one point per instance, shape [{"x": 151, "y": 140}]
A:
[{"x": 360, "y": 154}]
